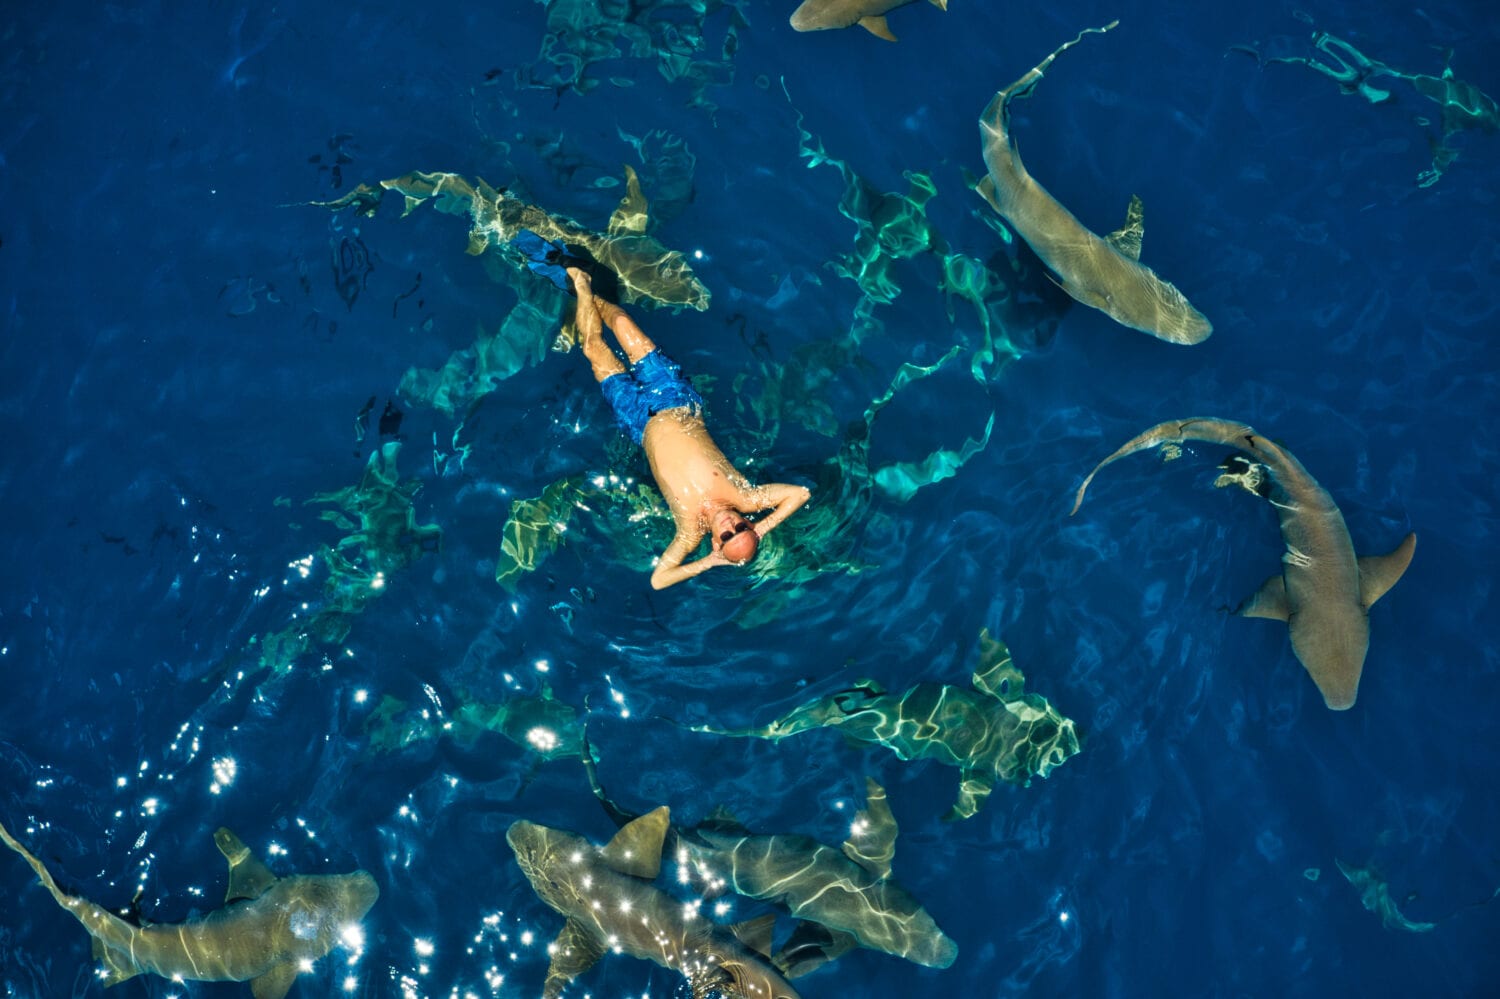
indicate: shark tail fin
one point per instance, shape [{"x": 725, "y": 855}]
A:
[{"x": 1378, "y": 573}]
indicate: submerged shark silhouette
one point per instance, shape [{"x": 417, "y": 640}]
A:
[
  {"x": 1105, "y": 274},
  {"x": 816, "y": 15},
  {"x": 1324, "y": 591},
  {"x": 996, "y": 731},
  {"x": 606, "y": 896},
  {"x": 268, "y": 931},
  {"x": 848, "y": 891}
]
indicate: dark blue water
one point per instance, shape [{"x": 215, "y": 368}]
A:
[{"x": 187, "y": 354}]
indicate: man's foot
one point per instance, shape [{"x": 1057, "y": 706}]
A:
[{"x": 583, "y": 285}]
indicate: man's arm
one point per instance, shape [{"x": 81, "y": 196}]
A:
[
  {"x": 783, "y": 499},
  {"x": 670, "y": 569}
]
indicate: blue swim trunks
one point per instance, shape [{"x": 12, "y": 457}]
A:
[{"x": 654, "y": 384}]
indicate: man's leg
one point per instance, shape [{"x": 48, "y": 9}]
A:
[
  {"x": 633, "y": 341},
  {"x": 590, "y": 329}
]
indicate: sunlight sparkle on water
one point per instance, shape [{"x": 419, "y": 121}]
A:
[
  {"x": 361, "y": 696},
  {"x": 423, "y": 947},
  {"x": 542, "y": 738}
]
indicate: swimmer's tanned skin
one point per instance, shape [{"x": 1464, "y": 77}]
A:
[{"x": 707, "y": 495}]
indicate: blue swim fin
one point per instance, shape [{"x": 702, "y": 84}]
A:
[{"x": 545, "y": 258}]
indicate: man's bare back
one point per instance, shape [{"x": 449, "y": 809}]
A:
[{"x": 706, "y": 494}]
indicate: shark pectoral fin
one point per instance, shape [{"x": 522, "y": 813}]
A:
[
  {"x": 1378, "y": 573},
  {"x": 1126, "y": 240},
  {"x": 248, "y": 877},
  {"x": 575, "y": 951},
  {"x": 875, "y": 25},
  {"x": 972, "y": 790},
  {"x": 1269, "y": 601},
  {"x": 940, "y": 4},
  {"x": 116, "y": 967},
  {"x": 873, "y": 843},
  {"x": 633, "y": 211},
  {"x": 755, "y": 933},
  {"x": 275, "y": 983},
  {"x": 636, "y": 848},
  {"x": 986, "y": 190},
  {"x": 811, "y": 946}
]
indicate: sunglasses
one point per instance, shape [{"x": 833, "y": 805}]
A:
[{"x": 739, "y": 528}]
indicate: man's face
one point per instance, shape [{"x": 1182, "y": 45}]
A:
[{"x": 735, "y": 538}]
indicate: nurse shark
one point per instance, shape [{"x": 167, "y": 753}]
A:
[
  {"x": 1323, "y": 591},
  {"x": 1105, "y": 274},
  {"x": 268, "y": 931},
  {"x": 846, "y": 895},
  {"x": 995, "y": 731},
  {"x": 609, "y": 904},
  {"x": 817, "y": 15}
]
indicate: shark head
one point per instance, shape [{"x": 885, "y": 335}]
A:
[
  {"x": 541, "y": 854},
  {"x": 1154, "y": 306}
]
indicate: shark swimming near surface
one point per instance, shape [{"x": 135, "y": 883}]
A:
[
  {"x": 817, "y": 15},
  {"x": 1105, "y": 274},
  {"x": 847, "y": 892},
  {"x": 1323, "y": 591},
  {"x": 606, "y": 896},
  {"x": 995, "y": 731},
  {"x": 269, "y": 930}
]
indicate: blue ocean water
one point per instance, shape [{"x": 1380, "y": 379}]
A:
[{"x": 196, "y": 363}]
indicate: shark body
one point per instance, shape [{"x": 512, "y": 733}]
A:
[
  {"x": 269, "y": 930},
  {"x": 996, "y": 731},
  {"x": 606, "y": 896},
  {"x": 818, "y": 15},
  {"x": 1324, "y": 590},
  {"x": 847, "y": 891},
  {"x": 1103, "y": 273}
]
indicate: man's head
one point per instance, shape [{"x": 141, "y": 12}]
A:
[{"x": 735, "y": 537}]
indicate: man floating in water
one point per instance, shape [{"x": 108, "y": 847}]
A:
[{"x": 664, "y": 414}]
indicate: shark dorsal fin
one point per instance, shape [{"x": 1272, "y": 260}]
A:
[
  {"x": 575, "y": 951},
  {"x": 875, "y": 25},
  {"x": 275, "y": 983},
  {"x": 996, "y": 673},
  {"x": 1127, "y": 239},
  {"x": 632, "y": 213},
  {"x": 636, "y": 848},
  {"x": 872, "y": 843},
  {"x": 1378, "y": 573},
  {"x": 248, "y": 877},
  {"x": 755, "y": 933}
]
